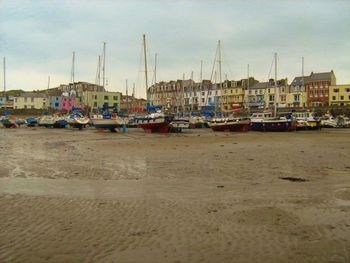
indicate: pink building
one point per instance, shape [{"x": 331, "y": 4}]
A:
[{"x": 69, "y": 102}]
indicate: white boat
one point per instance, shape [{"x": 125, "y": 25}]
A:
[
  {"x": 77, "y": 120},
  {"x": 328, "y": 121},
  {"x": 179, "y": 123},
  {"x": 46, "y": 120},
  {"x": 111, "y": 123}
]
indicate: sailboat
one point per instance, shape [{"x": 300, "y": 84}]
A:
[
  {"x": 233, "y": 122},
  {"x": 180, "y": 121},
  {"x": 158, "y": 121},
  {"x": 266, "y": 121},
  {"x": 107, "y": 120}
]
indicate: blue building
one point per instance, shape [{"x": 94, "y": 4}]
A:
[
  {"x": 2, "y": 100},
  {"x": 56, "y": 102}
]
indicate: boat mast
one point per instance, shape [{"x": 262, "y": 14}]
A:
[
  {"x": 201, "y": 80},
  {"x": 145, "y": 56},
  {"x": 275, "y": 99},
  {"x": 302, "y": 74},
  {"x": 127, "y": 95},
  {"x": 73, "y": 68},
  {"x": 220, "y": 74},
  {"x": 72, "y": 73},
  {"x": 191, "y": 91},
  {"x": 247, "y": 97},
  {"x": 155, "y": 69},
  {"x": 4, "y": 61},
  {"x": 133, "y": 96},
  {"x": 98, "y": 72},
  {"x": 104, "y": 66},
  {"x": 48, "y": 83}
]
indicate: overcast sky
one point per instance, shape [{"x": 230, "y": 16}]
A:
[{"x": 38, "y": 38}]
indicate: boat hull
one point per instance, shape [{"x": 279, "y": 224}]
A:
[
  {"x": 155, "y": 127},
  {"x": 273, "y": 126},
  {"x": 106, "y": 124}
]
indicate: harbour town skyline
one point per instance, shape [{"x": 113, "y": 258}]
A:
[{"x": 38, "y": 40}]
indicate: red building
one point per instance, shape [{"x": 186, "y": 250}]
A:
[{"x": 317, "y": 88}]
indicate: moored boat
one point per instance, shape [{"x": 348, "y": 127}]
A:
[
  {"x": 328, "y": 121},
  {"x": 77, "y": 120},
  {"x": 265, "y": 122},
  {"x": 31, "y": 122},
  {"x": 306, "y": 120},
  {"x": 7, "y": 123},
  {"x": 157, "y": 122},
  {"x": 107, "y": 122},
  {"x": 231, "y": 123},
  {"x": 179, "y": 123}
]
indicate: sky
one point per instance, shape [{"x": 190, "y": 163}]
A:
[{"x": 38, "y": 39}]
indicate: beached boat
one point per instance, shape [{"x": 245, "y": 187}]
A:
[
  {"x": 20, "y": 121},
  {"x": 328, "y": 121},
  {"x": 179, "y": 123},
  {"x": 198, "y": 122},
  {"x": 265, "y": 122},
  {"x": 231, "y": 123},
  {"x": 306, "y": 120},
  {"x": 46, "y": 121},
  {"x": 107, "y": 121},
  {"x": 7, "y": 123},
  {"x": 77, "y": 120},
  {"x": 155, "y": 122},
  {"x": 31, "y": 122},
  {"x": 343, "y": 121}
]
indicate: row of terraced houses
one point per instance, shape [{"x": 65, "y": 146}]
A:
[
  {"x": 314, "y": 90},
  {"x": 73, "y": 95}
]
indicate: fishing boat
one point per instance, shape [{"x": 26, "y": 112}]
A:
[
  {"x": 231, "y": 123},
  {"x": 343, "y": 121},
  {"x": 107, "y": 120},
  {"x": 306, "y": 120},
  {"x": 77, "y": 120},
  {"x": 20, "y": 122},
  {"x": 157, "y": 122}
]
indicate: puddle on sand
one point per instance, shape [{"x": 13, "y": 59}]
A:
[{"x": 72, "y": 187}]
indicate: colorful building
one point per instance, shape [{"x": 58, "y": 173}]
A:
[
  {"x": 297, "y": 97},
  {"x": 263, "y": 94},
  {"x": 94, "y": 99},
  {"x": 339, "y": 95},
  {"x": 31, "y": 100},
  {"x": 317, "y": 88},
  {"x": 56, "y": 102}
]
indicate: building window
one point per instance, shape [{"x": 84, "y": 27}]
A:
[
  {"x": 268, "y": 90},
  {"x": 335, "y": 90},
  {"x": 105, "y": 97},
  {"x": 347, "y": 90},
  {"x": 95, "y": 104},
  {"x": 341, "y": 97},
  {"x": 115, "y": 97},
  {"x": 296, "y": 98},
  {"x": 333, "y": 98},
  {"x": 271, "y": 97},
  {"x": 95, "y": 97},
  {"x": 203, "y": 100}
]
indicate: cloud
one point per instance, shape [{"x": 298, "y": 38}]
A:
[{"x": 40, "y": 36}]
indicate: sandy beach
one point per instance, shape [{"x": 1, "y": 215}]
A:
[{"x": 89, "y": 196}]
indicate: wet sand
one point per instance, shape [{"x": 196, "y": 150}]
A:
[{"x": 86, "y": 196}]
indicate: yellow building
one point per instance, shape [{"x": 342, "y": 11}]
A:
[
  {"x": 297, "y": 96},
  {"x": 232, "y": 94},
  {"x": 94, "y": 99},
  {"x": 31, "y": 100},
  {"x": 339, "y": 95}
]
